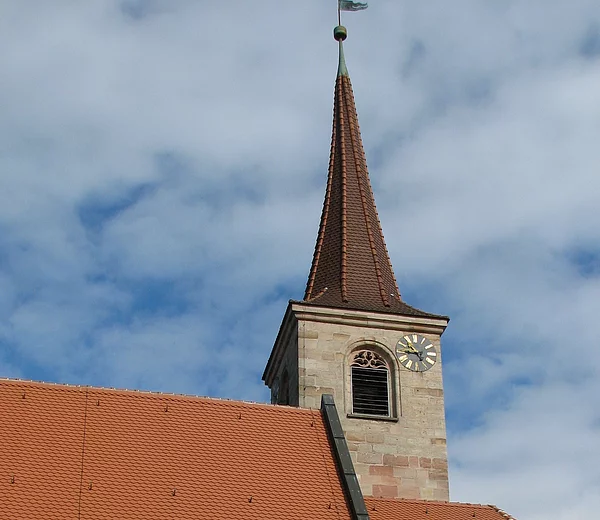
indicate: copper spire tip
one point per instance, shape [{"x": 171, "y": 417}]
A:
[{"x": 340, "y": 33}]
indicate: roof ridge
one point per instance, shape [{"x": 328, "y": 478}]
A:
[
  {"x": 363, "y": 200},
  {"x": 344, "y": 172},
  {"x": 434, "y": 502},
  {"x": 155, "y": 393},
  {"x": 502, "y": 512},
  {"x": 322, "y": 225}
]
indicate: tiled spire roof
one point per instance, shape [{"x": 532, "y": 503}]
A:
[{"x": 351, "y": 266}]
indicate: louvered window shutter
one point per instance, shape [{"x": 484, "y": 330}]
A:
[{"x": 370, "y": 384}]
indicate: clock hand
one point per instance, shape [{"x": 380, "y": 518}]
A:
[
  {"x": 413, "y": 350},
  {"x": 411, "y": 347}
]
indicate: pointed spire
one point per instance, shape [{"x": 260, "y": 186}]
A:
[
  {"x": 340, "y": 34},
  {"x": 351, "y": 267},
  {"x": 342, "y": 70}
]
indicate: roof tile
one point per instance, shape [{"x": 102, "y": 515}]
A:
[
  {"x": 402, "y": 509},
  {"x": 105, "y": 454},
  {"x": 351, "y": 266},
  {"x": 114, "y": 454}
]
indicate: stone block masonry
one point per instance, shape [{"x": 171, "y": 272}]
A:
[{"x": 400, "y": 456}]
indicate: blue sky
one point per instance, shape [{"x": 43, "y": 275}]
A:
[{"x": 162, "y": 170}]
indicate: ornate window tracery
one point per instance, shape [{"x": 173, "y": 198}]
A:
[
  {"x": 368, "y": 359},
  {"x": 370, "y": 384}
]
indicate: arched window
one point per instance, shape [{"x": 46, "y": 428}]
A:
[{"x": 370, "y": 384}]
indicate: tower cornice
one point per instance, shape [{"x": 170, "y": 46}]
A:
[{"x": 429, "y": 324}]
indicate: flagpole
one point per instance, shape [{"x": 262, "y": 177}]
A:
[{"x": 339, "y": 13}]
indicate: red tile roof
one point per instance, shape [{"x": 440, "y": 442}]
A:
[
  {"x": 71, "y": 452},
  {"x": 400, "y": 509},
  {"x": 76, "y": 452},
  {"x": 351, "y": 266}
]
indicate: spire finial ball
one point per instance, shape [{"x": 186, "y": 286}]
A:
[{"x": 340, "y": 33}]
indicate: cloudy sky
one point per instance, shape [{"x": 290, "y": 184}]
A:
[{"x": 162, "y": 169}]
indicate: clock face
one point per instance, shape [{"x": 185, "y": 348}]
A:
[{"x": 416, "y": 353}]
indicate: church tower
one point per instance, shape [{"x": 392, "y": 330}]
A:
[{"x": 354, "y": 337}]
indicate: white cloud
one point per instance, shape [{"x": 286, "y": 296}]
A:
[{"x": 162, "y": 169}]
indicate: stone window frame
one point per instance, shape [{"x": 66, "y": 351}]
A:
[{"x": 388, "y": 356}]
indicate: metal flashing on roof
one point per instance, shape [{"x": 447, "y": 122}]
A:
[{"x": 356, "y": 501}]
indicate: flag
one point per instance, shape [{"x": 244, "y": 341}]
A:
[{"x": 351, "y": 5}]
